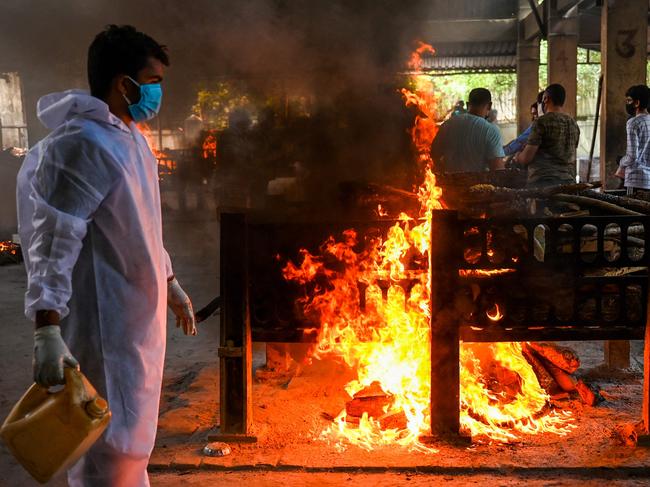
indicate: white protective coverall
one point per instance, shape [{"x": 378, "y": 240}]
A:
[{"x": 90, "y": 224}]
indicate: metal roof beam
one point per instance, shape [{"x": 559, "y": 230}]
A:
[
  {"x": 531, "y": 25},
  {"x": 469, "y": 30}
]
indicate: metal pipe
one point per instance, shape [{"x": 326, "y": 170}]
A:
[
  {"x": 538, "y": 19},
  {"x": 593, "y": 135}
]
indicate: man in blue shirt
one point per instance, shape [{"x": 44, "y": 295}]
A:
[
  {"x": 517, "y": 145},
  {"x": 468, "y": 142}
]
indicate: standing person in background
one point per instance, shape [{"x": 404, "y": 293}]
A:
[
  {"x": 518, "y": 144},
  {"x": 634, "y": 167},
  {"x": 550, "y": 152},
  {"x": 459, "y": 108},
  {"x": 492, "y": 116},
  {"x": 468, "y": 142}
]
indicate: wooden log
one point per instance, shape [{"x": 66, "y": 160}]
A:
[
  {"x": 371, "y": 400},
  {"x": 595, "y": 203},
  {"x": 546, "y": 380},
  {"x": 487, "y": 192},
  {"x": 586, "y": 394},
  {"x": 566, "y": 381},
  {"x": 563, "y": 357},
  {"x": 393, "y": 420},
  {"x": 623, "y": 201}
]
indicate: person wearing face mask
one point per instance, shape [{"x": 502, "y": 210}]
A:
[
  {"x": 99, "y": 277},
  {"x": 550, "y": 152},
  {"x": 517, "y": 145},
  {"x": 634, "y": 167}
]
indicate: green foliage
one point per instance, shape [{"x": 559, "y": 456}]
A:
[
  {"x": 215, "y": 102},
  {"x": 451, "y": 88}
]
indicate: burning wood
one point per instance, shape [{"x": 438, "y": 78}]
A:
[
  {"x": 387, "y": 341},
  {"x": 563, "y": 357},
  {"x": 554, "y": 366},
  {"x": 371, "y": 400},
  {"x": 10, "y": 253},
  {"x": 545, "y": 379}
]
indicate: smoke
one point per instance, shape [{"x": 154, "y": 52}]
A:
[{"x": 343, "y": 53}]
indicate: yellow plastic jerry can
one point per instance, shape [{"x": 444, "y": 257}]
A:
[{"x": 49, "y": 431}]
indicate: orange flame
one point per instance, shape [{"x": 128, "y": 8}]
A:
[
  {"x": 9, "y": 246},
  {"x": 415, "y": 62},
  {"x": 388, "y": 339},
  {"x": 148, "y": 136},
  {"x": 484, "y": 272}
]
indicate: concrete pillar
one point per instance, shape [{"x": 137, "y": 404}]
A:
[
  {"x": 527, "y": 71},
  {"x": 563, "y": 53},
  {"x": 623, "y": 39}
]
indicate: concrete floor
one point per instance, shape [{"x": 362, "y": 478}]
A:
[{"x": 192, "y": 240}]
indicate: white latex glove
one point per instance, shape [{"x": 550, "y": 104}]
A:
[
  {"x": 51, "y": 355},
  {"x": 181, "y": 305}
]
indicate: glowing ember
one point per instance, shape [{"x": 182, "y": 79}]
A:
[
  {"x": 387, "y": 341},
  {"x": 484, "y": 272},
  {"x": 7, "y": 246},
  {"x": 495, "y": 313}
]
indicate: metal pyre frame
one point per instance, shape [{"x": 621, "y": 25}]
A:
[{"x": 582, "y": 278}]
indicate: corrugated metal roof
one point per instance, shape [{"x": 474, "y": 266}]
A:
[
  {"x": 475, "y": 63},
  {"x": 469, "y": 56}
]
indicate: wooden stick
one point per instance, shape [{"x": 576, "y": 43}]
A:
[
  {"x": 595, "y": 203},
  {"x": 487, "y": 192},
  {"x": 545, "y": 379},
  {"x": 624, "y": 201}
]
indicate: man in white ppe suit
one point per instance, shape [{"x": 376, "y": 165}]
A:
[{"x": 90, "y": 223}]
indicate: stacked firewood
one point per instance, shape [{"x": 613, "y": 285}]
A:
[
  {"x": 559, "y": 201},
  {"x": 555, "y": 367},
  {"x": 378, "y": 405}
]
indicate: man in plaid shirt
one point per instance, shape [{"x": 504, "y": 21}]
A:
[
  {"x": 550, "y": 152},
  {"x": 634, "y": 167}
]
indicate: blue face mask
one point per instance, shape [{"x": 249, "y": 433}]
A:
[{"x": 149, "y": 104}]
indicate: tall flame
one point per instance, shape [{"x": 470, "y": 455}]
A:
[{"x": 387, "y": 341}]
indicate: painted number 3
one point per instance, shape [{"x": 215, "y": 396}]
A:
[{"x": 624, "y": 42}]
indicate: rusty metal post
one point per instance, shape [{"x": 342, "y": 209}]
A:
[
  {"x": 445, "y": 367},
  {"x": 235, "y": 350}
]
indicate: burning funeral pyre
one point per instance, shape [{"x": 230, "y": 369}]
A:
[{"x": 387, "y": 341}]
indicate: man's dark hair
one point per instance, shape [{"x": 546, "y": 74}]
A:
[
  {"x": 479, "y": 97},
  {"x": 639, "y": 93},
  {"x": 556, "y": 93},
  {"x": 120, "y": 50}
]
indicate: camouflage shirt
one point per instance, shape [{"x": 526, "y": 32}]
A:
[{"x": 557, "y": 136}]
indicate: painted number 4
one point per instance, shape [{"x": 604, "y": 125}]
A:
[{"x": 625, "y": 42}]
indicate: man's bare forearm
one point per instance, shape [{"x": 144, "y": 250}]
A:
[{"x": 46, "y": 317}]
